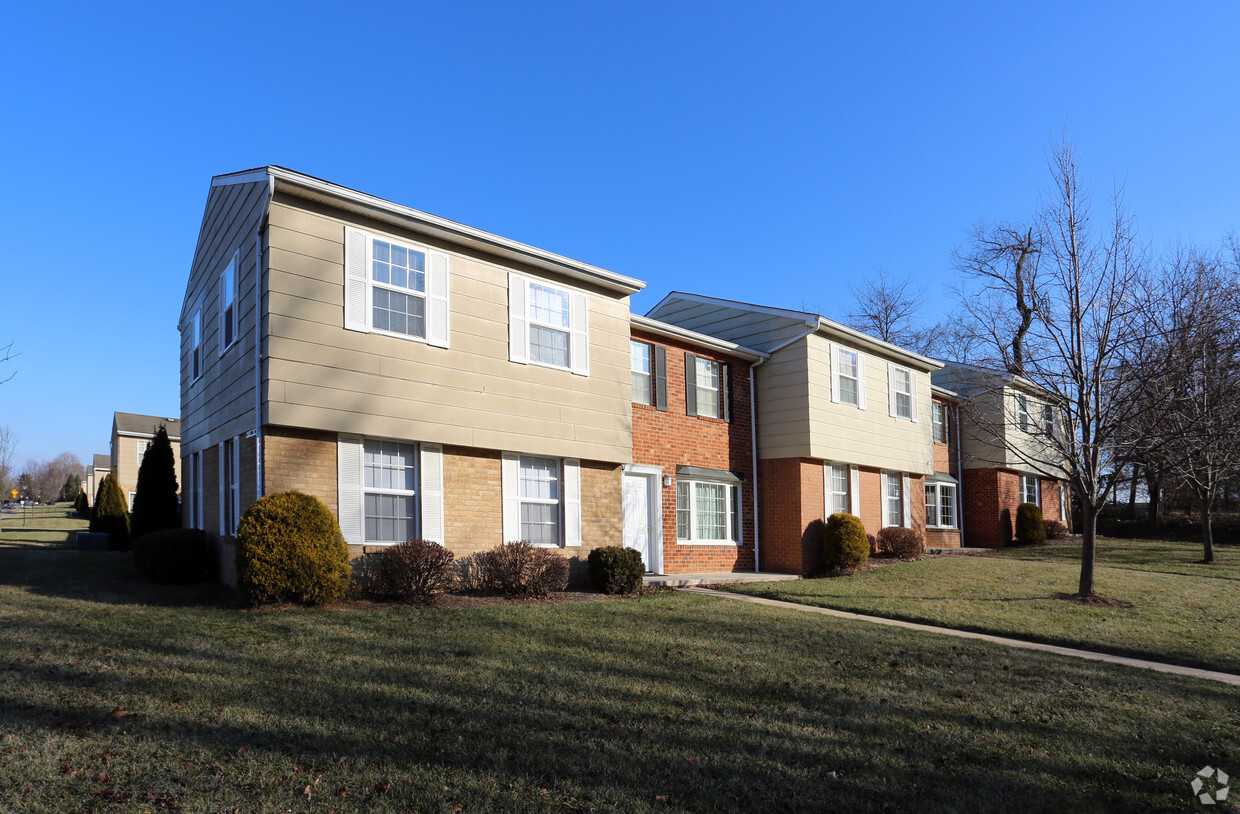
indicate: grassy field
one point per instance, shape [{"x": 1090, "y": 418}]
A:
[
  {"x": 1182, "y": 612},
  {"x": 40, "y": 527},
  {"x": 116, "y": 695}
]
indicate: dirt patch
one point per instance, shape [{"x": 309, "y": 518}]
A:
[{"x": 1094, "y": 600}]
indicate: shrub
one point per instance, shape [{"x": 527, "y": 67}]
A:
[
  {"x": 110, "y": 514},
  {"x": 873, "y": 541},
  {"x": 289, "y": 548},
  {"x": 416, "y": 571},
  {"x": 1029, "y": 526},
  {"x": 471, "y": 572},
  {"x": 522, "y": 569},
  {"x": 155, "y": 505},
  {"x": 175, "y": 556},
  {"x": 845, "y": 543},
  {"x": 1055, "y": 530},
  {"x": 616, "y": 570},
  {"x": 82, "y": 505},
  {"x": 901, "y": 542}
]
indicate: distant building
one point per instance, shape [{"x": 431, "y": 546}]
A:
[{"x": 132, "y": 434}]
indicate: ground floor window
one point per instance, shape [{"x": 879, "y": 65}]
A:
[
  {"x": 893, "y": 499},
  {"x": 540, "y": 500},
  {"x": 707, "y": 512},
  {"x": 941, "y": 505},
  {"x": 1029, "y": 489},
  {"x": 388, "y": 504},
  {"x": 838, "y": 498}
]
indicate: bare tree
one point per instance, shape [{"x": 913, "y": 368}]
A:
[
  {"x": 1003, "y": 258},
  {"x": 8, "y": 446},
  {"x": 6, "y": 355},
  {"x": 889, "y": 309}
]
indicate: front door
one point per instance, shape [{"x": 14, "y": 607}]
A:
[{"x": 638, "y": 528}]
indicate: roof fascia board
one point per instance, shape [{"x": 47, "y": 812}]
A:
[
  {"x": 673, "y": 332},
  {"x": 833, "y": 328},
  {"x": 454, "y": 232},
  {"x": 243, "y": 177}
]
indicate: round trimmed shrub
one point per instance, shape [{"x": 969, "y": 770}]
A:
[
  {"x": 616, "y": 570},
  {"x": 290, "y": 549},
  {"x": 175, "y": 556},
  {"x": 901, "y": 542},
  {"x": 1029, "y": 526},
  {"x": 110, "y": 514},
  {"x": 845, "y": 544}
]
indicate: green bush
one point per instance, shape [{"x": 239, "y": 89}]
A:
[
  {"x": 82, "y": 505},
  {"x": 175, "y": 556},
  {"x": 901, "y": 542},
  {"x": 616, "y": 570},
  {"x": 290, "y": 549},
  {"x": 522, "y": 569},
  {"x": 415, "y": 571},
  {"x": 110, "y": 515},
  {"x": 1029, "y": 526},
  {"x": 155, "y": 504},
  {"x": 845, "y": 544}
]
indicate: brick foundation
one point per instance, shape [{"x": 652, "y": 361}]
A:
[{"x": 991, "y": 497}]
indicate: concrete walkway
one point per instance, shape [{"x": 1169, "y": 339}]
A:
[
  {"x": 721, "y": 578},
  {"x": 1158, "y": 666}
]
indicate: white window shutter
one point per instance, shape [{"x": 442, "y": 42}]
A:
[
  {"x": 437, "y": 299},
  {"x": 860, "y": 380},
  {"x": 891, "y": 390},
  {"x": 905, "y": 499},
  {"x": 854, "y": 490},
  {"x": 518, "y": 322},
  {"x": 356, "y": 280},
  {"x": 834, "y": 371},
  {"x": 220, "y": 467},
  {"x": 236, "y": 482},
  {"x": 572, "y": 502},
  {"x": 826, "y": 491},
  {"x": 349, "y": 464},
  {"x": 432, "y": 494},
  {"x": 510, "y": 478},
  {"x": 579, "y": 349},
  {"x": 912, "y": 386}
]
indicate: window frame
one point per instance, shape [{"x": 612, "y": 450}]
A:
[
  {"x": 938, "y": 422},
  {"x": 372, "y": 284},
  {"x": 939, "y": 488},
  {"x": 229, "y": 323},
  {"x": 1048, "y": 421},
  {"x": 531, "y": 323},
  {"x": 894, "y": 372},
  {"x": 634, "y": 345},
  {"x": 832, "y": 494},
  {"x": 1024, "y": 419},
  {"x": 839, "y": 377},
  {"x": 558, "y": 501},
  {"x": 143, "y": 446},
  {"x": 713, "y": 394},
  {"x": 413, "y": 494},
  {"x": 195, "y": 352},
  {"x": 732, "y": 512},
  {"x": 898, "y": 479},
  {"x": 1036, "y": 482}
]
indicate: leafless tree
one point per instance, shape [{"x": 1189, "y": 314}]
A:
[
  {"x": 6, "y": 355},
  {"x": 8, "y": 446},
  {"x": 889, "y": 309},
  {"x": 1003, "y": 259}
]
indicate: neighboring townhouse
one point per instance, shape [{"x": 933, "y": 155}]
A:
[
  {"x": 1005, "y": 423},
  {"x": 844, "y": 422},
  {"x": 689, "y": 493},
  {"x": 100, "y": 466},
  {"x": 422, "y": 377},
  {"x": 943, "y": 510},
  {"x": 132, "y": 433}
]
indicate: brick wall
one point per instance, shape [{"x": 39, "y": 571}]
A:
[
  {"x": 672, "y": 438},
  {"x": 299, "y": 459},
  {"x": 990, "y": 500}
]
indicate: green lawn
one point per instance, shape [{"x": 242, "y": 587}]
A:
[
  {"x": 1181, "y": 612},
  {"x": 40, "y": 527},
  {"x": 120, "y": 696}
]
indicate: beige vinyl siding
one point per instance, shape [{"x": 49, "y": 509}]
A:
[
  {"x": 321, "y": 376},
  {"x": 126, "y": 461},
  {"x": 220, "y": 404}
]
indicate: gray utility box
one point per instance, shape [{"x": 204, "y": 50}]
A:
[{"x": 92, "y": 541}]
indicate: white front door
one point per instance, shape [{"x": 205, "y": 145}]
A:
[{"x": 638, "y": 527}]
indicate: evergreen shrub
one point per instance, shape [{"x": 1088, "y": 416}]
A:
[
  {"x": 901, "y": 542},
  {"x": 523, "y": 569},
  {"x": 845, "y": 543},
  {"x": 110, "y": 515},
  {"x": 175, "y": 556},
  {"x": 290, "y": 549},
  {"x": 1029, "y": 526},
  {"x": 616, "y": 570},
  {"x": 155, "y": 503}
]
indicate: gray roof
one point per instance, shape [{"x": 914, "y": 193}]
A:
[
  {"x": 103, "y": 461},
  {"x": 146, "y": 425}
]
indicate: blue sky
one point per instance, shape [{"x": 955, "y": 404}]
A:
[{"x": 769, "y": 151}]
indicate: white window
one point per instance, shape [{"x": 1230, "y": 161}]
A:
[
  {"x": 389, "y": 508},
  {"x": 395, "y": 288},
  {"x": 540, "y": 500},
  {"x": 196, "y": 347},
  {"x": 706, "y": 384},
  {"x": 640, "y": 371},
  {"x": 838, "y": 498},
  {"x": 940, "y": 422},
  {"x": 547, "y": 325},
  {"x": 1023, "y": 419},
  {"x": 143, "y": 446},
  {"x": 941, "y": 505},
  {"x": 1030, "y": 490},
  {"x": 132, "y": 495},
  {"x": 228, "y": 304},
  {"x": 707, "y": 512},
  {"x": 195, "y": 491},
  {"x": 893, "y": 499},
  {"x": 900, "y": 385},
  {"x": 230, "y": 486},
  {"x": 1048, "y": 421},
  {"x": 847, "y": 381}
]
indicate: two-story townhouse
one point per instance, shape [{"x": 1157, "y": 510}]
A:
[
  {"x": 100, "y": 465},
  {"x": 689, "y": 494},
  {"x": 844, "y": 422},
  {"x": 422, "y": 377},
  {"x": 944, "y": 517},
  {"x": 132, "y": 434},
  {"x": 1008, "y": 455}
]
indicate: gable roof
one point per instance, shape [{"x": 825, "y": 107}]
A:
[
  {"x": 102, "y": 461},
  {"x": 667, "y": 330},
  {"x": 971, "y": 380},
  {"x": 144, "y": 426}
]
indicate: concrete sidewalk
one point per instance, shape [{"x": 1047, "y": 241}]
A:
[{"x": 1158, "y": 666}]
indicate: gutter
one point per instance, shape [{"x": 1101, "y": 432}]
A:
[
  {"x": 960, "y": 476},
  {"x": 258, "y": 340}
]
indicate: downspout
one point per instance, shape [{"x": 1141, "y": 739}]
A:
[
  {"x": 960, "y": 477},
  {"x": 258, "y": 340}
]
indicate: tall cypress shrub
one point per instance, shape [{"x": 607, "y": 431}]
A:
[
  {"x": 110, "y": 514},
  {"x": 155, "y": 504}
]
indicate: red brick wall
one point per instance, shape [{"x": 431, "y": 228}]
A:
[
  {"x": 671, "y": 438},
  {"x": 989, "y": 503}
]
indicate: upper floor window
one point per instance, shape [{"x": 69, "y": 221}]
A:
[
  {"x": 1048, "y": 420},
  {"x": 707, "y": 388},
  {"x": 1023, "y": 419},
  {"x": 640, "y": 370},
  {"x": 939, "y": 411},
  {"x": 838, "y": 498},
  {"x": 1030, "y": 489},
  {"x": 228, "y": 304},
  {"x": 847, "y": 379},
  {"x": 395, "y": 288},
  {"x": 902, "y": 389},
  {"x": 196, "y": 347},
  {"x": 547, "y": 325},
  {"x": 550, "y": 321},
  {"x": 143, "y": 446}
]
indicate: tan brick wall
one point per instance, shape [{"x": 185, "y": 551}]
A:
[
  {"x": 473, "y": 500},
  {"x": 304, "y": 460}
]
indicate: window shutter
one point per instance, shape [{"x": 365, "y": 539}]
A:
[
  {"x": 572, "y": 502},
  {"x": 432, "y": 493},
  {"x": 833, "y": 368},
  {"x": 579, "y": 348},
  {"x": 854, "y": 491},
  {"x": 860, "y": 380},
  {"x": 349, "y": 464},
  {"x": 220, "y": 507},
  {"x": 912, "y": 387},
  {"x": 725, "y": 391},
  {"x": 826, "y": 491},
  {"x": 356, "y": 280},
  {"x": 518, "y": 323},
  {"x": 510, "y": 477},
  {"x": 906, "y": 508},
  {"x": 659, "y": 369},
  {"x": 690, "y": 385},
  {"x": 891, "y": 390},
  {"x": 236, "y": 483},
  {"x": 437, "y": 299}
]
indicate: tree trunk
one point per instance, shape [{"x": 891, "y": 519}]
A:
[
  {"x": 1132, "y": 493},
  {"x": 1207, "y": 534},
  {"x": 1153, "y": 487},
  {"x": 1089, "y": 528}
]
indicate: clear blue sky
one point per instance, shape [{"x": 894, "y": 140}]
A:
[{"x": 767, "y": 151}]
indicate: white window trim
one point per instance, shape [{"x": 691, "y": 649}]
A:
[
  {"x": 195, "y": 352},
  {"x": 1037, "y": 489},
  {"x": 351, "y": 489},
  {"x": 649, "y": 374},
  {"x": 734, "y": 501},
  {"x": 132, "y": 495},
  {"x": 892, "y": 393},
  {"x": 570, "y": 499},
  {"x": 938, "y": 487},
  {"x": 519, "y": 321},
  {"x": 1048, "y": 421},
  {"x": 232, "y": 272},
  {"x": 938, "y": 429},
  {"x": 359, "y": 285},
  {"x": 716, "y": 403},
  {"x": 378, "y": 490},
  {"x": 903, "y": 481},
  {"x": 1024, "y": 419},
  {"x": 836, "y": 377},
  {"x": 828, "y": 491}
]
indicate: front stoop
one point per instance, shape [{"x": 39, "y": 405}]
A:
[{"x": 725, "y": 578}]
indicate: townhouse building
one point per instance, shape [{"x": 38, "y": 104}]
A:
[{"x": 132, "y": 434}]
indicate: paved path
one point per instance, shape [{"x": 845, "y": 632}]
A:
[{"x": 1175, "y": 669}]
